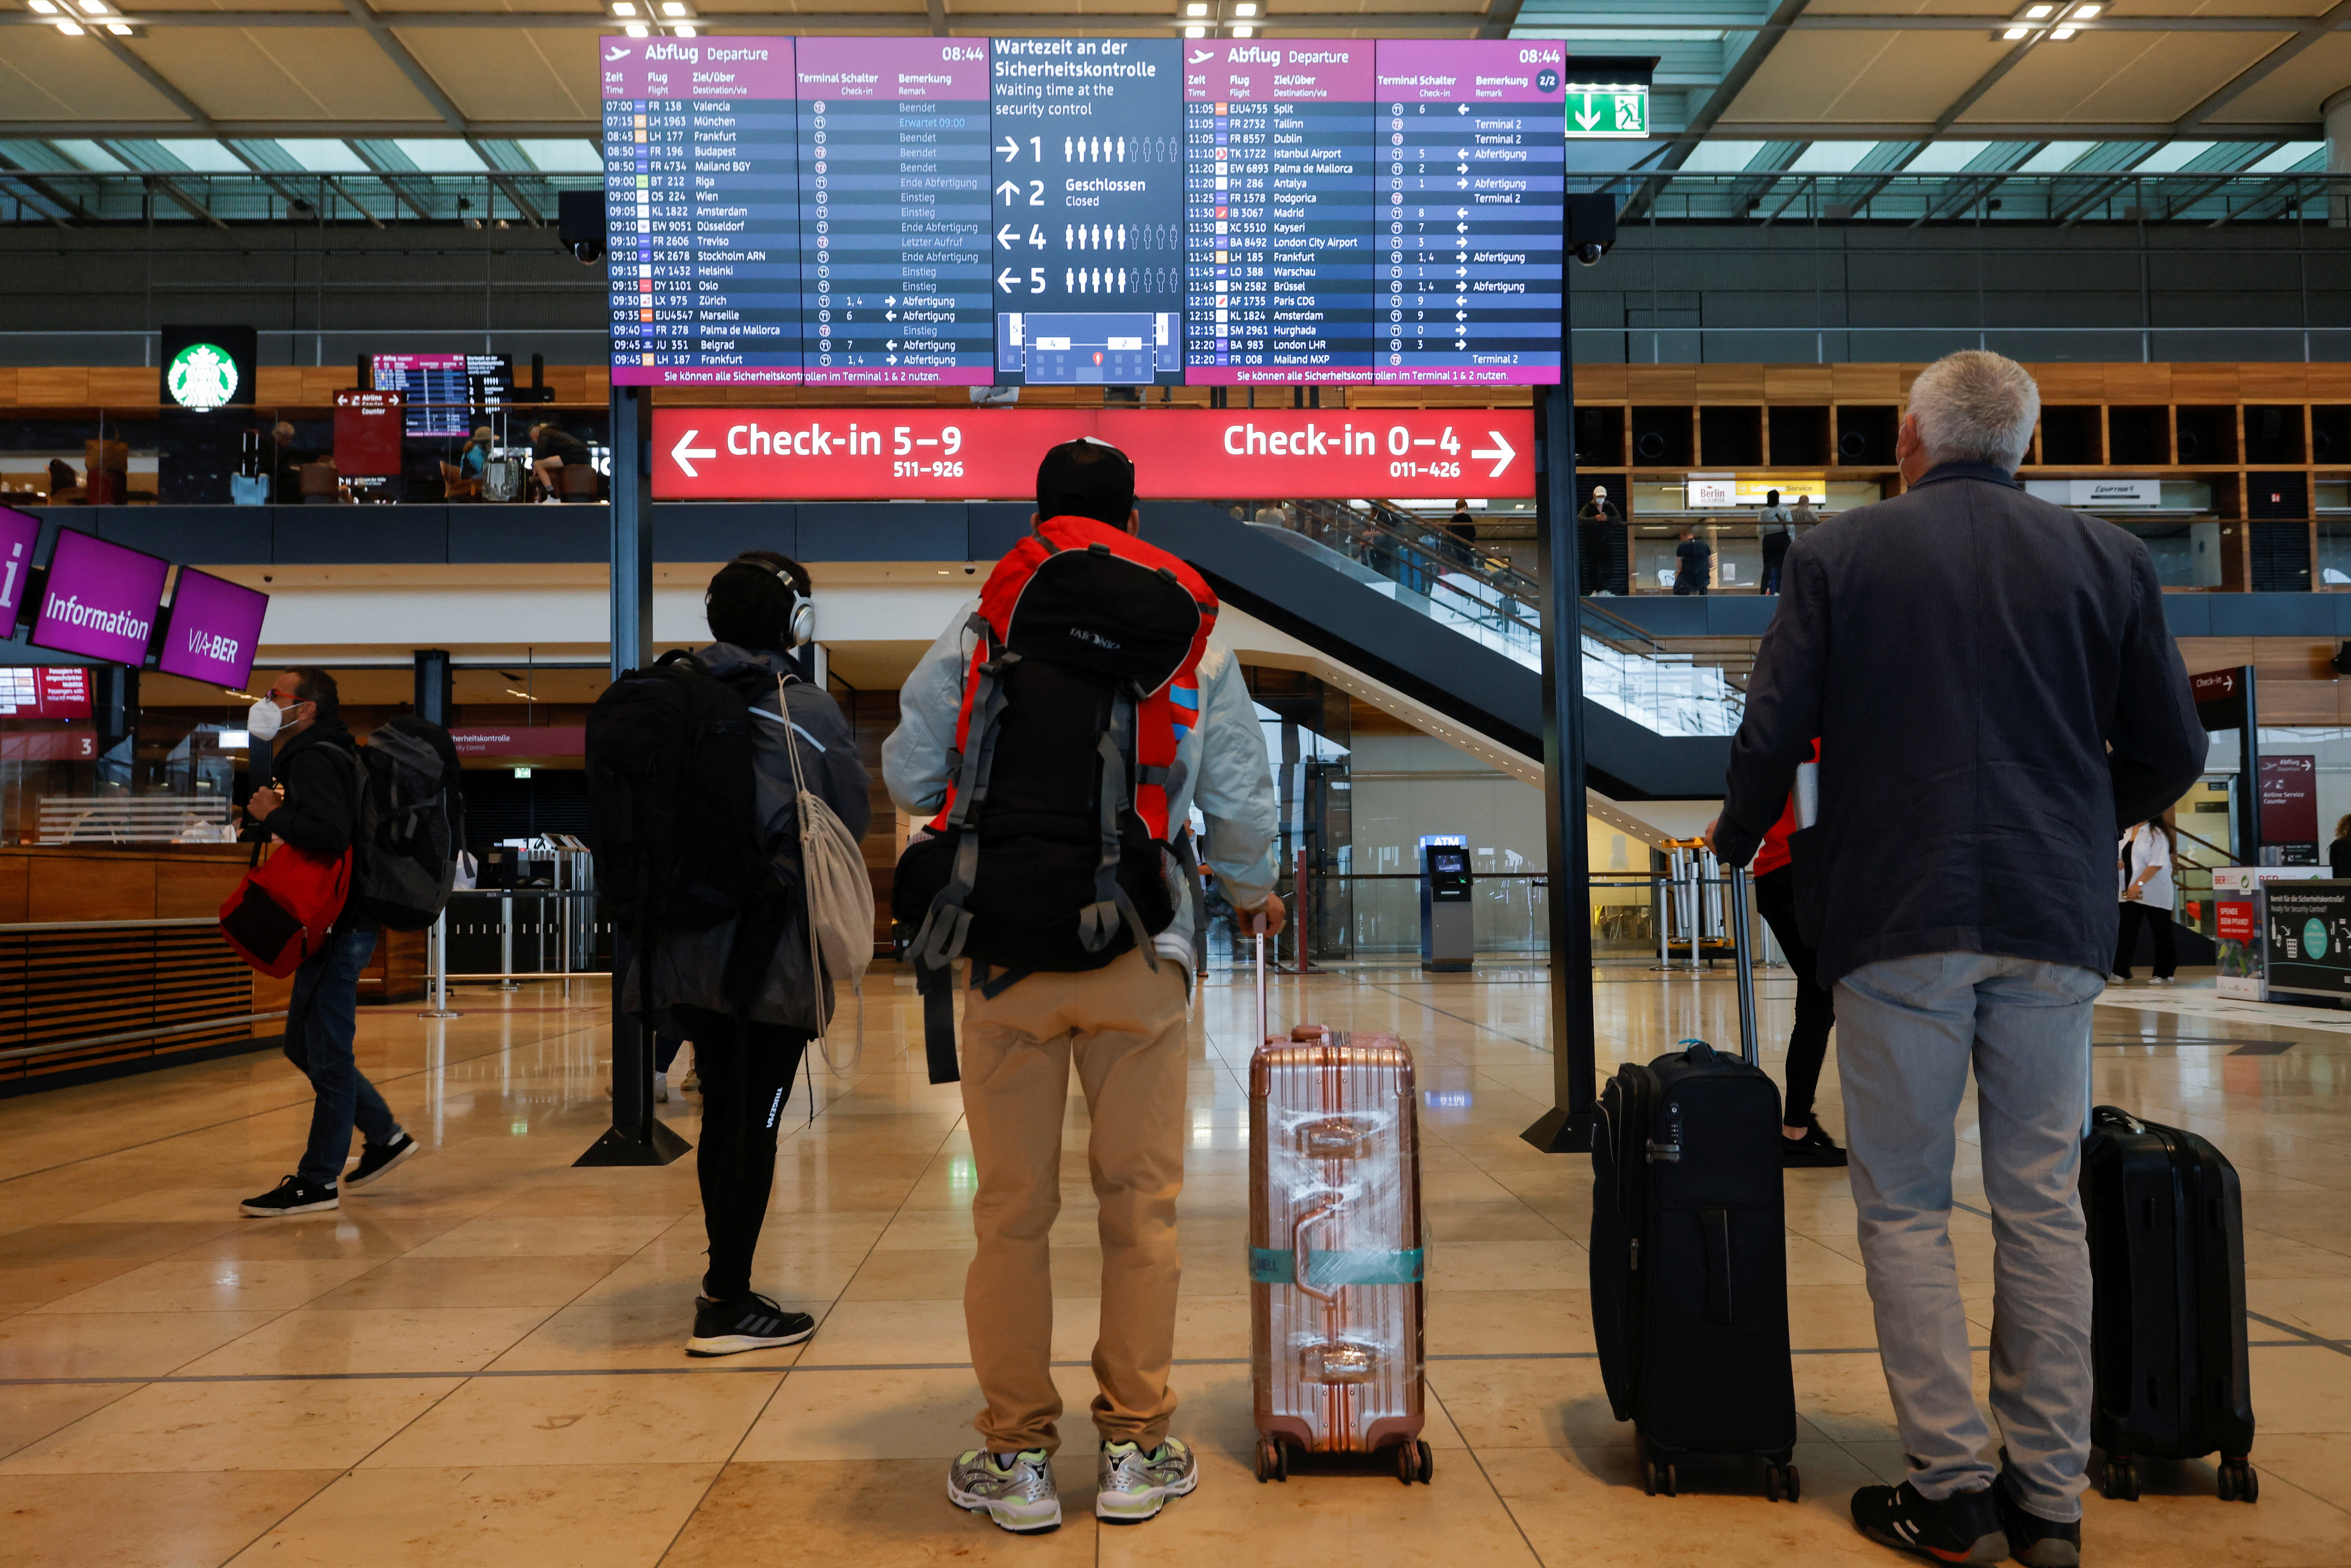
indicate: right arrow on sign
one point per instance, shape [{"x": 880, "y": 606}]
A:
[
  {"x": 1501, "y": 452},
  {"x": 686, "y": 450}
]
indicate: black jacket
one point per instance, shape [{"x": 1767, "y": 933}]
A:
[
  {"x": 1695, "y": 559},
  {"x": 315, "y": 772},
  {"x": 1995, "y": 694}
]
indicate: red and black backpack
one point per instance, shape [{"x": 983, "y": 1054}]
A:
[{"x": 1051, "y": 853}]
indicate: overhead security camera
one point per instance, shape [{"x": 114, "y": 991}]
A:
[
  {"x": 1589, "y": 252},
  {"x": 580, "y": 225},
  {"x": 1589, "y": 219}
]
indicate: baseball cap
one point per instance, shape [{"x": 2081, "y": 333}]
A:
[{"x": 1086, "y": 478}]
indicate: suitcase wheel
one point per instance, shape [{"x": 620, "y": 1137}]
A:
[
  {"x": 2240, "y": 1482},
  {"x": 2118, "y": 1479},
  {"x": 1658, "y": 1477},
  {"x": 1415, "y": 1462},
  {"x": 1272, "y": 1460},
  {"x": 1780, "y": 1483}
]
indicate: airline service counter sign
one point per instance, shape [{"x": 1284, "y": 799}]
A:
[{"x": 944, "y": 455}]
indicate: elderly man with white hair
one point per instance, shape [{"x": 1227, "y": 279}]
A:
[{"x": 1995, "y": 694}]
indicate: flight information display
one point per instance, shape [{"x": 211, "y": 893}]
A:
[{"x": 835, "y": 212}]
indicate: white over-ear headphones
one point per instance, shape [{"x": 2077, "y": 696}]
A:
[{"x": 801, "y": 627}]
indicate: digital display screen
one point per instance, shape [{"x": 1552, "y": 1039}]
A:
[
  {"x": 101, "y": 600},
  {"x": 447, "y": 392},
  {"x": 943, "y": 212},
  {"x": 20, "y": 533},
  {"x": 213, "y": 631},
  {"x": 45, "y": 691}
]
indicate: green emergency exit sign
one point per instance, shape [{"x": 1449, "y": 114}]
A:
[{"x": 1607, "y": 109}]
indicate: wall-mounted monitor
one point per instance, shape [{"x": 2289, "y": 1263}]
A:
[
  {"x": 19, "y": 532},
  {"x": 447, "y": 392},
  {"x": 212, "y": 630},
  {"x": 101, "y": 600}
]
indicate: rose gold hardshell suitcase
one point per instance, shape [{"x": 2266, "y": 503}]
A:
[{"x": 1335, "y": 1254}]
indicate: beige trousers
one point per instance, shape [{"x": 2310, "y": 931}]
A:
[{"x": 1124, "y": 1026}]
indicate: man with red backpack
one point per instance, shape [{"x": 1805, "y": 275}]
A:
[
  {"x": 314, "y": 806},
  {"x": 1060, "y": 734}
]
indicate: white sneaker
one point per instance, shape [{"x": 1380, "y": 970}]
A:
[{"x": 660, "y": 1088}]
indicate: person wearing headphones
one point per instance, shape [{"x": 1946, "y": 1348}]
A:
[{"x": 743, "y": 990}]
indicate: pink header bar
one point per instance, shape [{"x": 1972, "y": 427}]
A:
[
  {"x": 894, "y": 71},
  {"x": 1277, "y": 70},
  {"x": 737, "y": 68},
  {"x": 1472, "y": 70}
]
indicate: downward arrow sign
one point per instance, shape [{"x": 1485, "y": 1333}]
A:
[
  {"x": 1501, "y": 452},
  {"x": 1588, "y": 118},
  {"x": 686, "y": 450}
]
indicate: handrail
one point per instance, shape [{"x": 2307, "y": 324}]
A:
[{"x": 129, "y": 1036}]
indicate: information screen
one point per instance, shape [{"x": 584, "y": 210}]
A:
[
  {"x": 840, "y": 212},
  {"x": 101, "y": 600},
  {"x": 214, "y": 629},
  {"x": 445, "y": 390}
]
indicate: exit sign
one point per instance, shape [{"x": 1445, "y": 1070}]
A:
[{"x": 1607, "y": 109}]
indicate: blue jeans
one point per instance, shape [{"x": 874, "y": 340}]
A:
[
  {"x": 1908, "y": 1031},
  {"x": 322, "y": 1020}
]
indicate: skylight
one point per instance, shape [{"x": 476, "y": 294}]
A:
[
  {"x": 323, "y": 157},
  {"x": 1831, "y": 157},
  {"x": 2286, "y": 157},
  {"x": 2055, "y": 158},
  {"x": 1945, "y": 157},
  {"x": 563, "y": 157},
  {"x": 441, "y": 156},
  {"x": 2172, "y": 155},
  {"x": 1723, "y": 157}
]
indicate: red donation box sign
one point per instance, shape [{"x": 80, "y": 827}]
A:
[
  {"x": 1180, "y": 454},
  {"x": 368, "y": 426},
  {"x": 2233, "y": 919}
]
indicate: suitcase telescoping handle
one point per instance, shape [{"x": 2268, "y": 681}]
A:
[
  {"x": 1744, "y": 968},
  {"x": 1263, "y": 1019}
]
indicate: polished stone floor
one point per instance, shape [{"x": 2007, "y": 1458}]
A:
[{"x": 479, "y": 1363}]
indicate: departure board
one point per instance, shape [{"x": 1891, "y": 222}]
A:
[
  {"x": 1083, "y": 211},
  {"x": 1279, "y": 211}
]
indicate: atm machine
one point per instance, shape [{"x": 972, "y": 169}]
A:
[{"x": 1447, "y": 918}]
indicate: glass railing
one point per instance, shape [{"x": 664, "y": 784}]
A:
[{"x": 1447, "y": 580}]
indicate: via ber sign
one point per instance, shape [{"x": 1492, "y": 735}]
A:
[
  {"x": 1616, "y": 109},
  {"x": 892, "y": 455}
]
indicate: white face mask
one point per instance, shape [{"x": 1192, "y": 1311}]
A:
[{"x": 264, "y": 720}]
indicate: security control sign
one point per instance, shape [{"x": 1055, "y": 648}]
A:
[
  {"x": 1597, "y": 110},
  {"x": 884, "y": 455}
]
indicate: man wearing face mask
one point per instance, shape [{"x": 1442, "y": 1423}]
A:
[{"x": 314, "y": 805}]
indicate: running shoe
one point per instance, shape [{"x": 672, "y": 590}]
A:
[
  {"x": 1134, "y": 1486},
  {"x": 755, "y": 1323},
  {"x": 1963, "y": 1527},
  {"x": 2035, "y": 1541},
  {"x": 291, "y": 1195},
  {"x": 377, "y": 1158},
  {"x": 1015, "y": 1490}
]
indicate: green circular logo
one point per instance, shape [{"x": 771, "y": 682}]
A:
[
  {"x": 2313, "y": 939},
  {"x": 201, "y": 375}
]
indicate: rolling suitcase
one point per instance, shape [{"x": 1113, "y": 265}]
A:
[
  {"x": 1690, "y": 1255},
  {"x": 1335, "y": 1254},
  {"x": 2166, "y": 1232}
]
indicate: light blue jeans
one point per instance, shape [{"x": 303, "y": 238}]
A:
[{"x": 1908, "y": 1029}]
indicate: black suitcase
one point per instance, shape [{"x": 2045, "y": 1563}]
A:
[
  {"x": 2166, "y": 1230},
  {"x": 1689, "y": 1254}
]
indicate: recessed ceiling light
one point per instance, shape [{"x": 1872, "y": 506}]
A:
[
  {"x": 1245, "y": 9},
  {"x": 1196, "y": 32},
  {"x": 1195, "y": 9},
  {"x": 675, "y": 8},
  {"x": 2014, "y": 34},
  {"x": 638, "y": 30},
  {"x": 119, "y": 29},
  {"x": 686, "y": 32},
  {"x": 45, "y": 7},
  {"x": 624, "y": 7},
  {"x": 2084, "y": 12},
  {"x": 94, "y": 7},
  {"x": 70, "y": 29},
  {"x": 2061, "y": 34},
  {"x": 1244, "y": 30},
  {"x": 2035, "y": 13}
]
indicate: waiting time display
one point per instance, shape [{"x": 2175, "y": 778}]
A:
[{"x": 835, "y": 212}]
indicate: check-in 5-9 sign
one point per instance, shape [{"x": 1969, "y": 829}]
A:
[{"x": 888, "y": 454}]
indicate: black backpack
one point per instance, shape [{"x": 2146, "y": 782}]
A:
[
  {"x": 412, "y": 824},
  {"x": 672, "y": 800}
]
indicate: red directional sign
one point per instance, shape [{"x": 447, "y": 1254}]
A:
[{"x": 953, "y": 455}]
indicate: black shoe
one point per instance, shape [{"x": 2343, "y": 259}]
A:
[
  {"x": 377, "y": 1158},
  {"x": 2035, "y": 1541},
  {"x": 292, "y": 1196},
  {"x": 755, "y": 1323},
  {"x": 1814, "y": 1149},
  {"x": 1962, "y": 1528}
]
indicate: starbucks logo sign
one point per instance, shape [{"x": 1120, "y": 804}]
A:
[{"x": 201, "y": 375}]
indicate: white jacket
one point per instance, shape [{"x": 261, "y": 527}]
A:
[
  {"x": 1225, "y": 770},
  {"x": 2143, "y": 847}
]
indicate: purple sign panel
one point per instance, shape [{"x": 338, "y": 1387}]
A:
[
  {"x": 19, "y": 532},
  {"x": 894, "y": 213},
  {"x": 1472, "y": 149},
  {"x": 101, "y": 600},
  {"x": 1280, "y": 210},
  {"x": 701, "y": 217},
  {"x": 213, "y": 631}
]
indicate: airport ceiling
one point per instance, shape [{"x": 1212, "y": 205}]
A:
[{"x": 508, "y": 88}]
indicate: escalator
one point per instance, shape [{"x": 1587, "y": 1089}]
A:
[{"x": 1376, "y": 590}]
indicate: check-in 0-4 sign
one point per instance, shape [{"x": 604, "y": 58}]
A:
[{"x": 847, "y": 455}]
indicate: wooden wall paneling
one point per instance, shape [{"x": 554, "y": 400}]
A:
[
  {"x": 1799, "y": 383},
  {"x": 15, "y": 887},
  {"x": 322, "y": 383},
  {"x": 59, "y": 985},
  {"x": 1600, "y": 383},
  {"x": 2273, "y": 381},
  {"x": 395, "y": 971},
  {"x": 53, "y": 386},
  {"x": 2202, "y": 654},
  {"x": 276, "y": 384},
  {"x": 91, "y": 887},
  {"x": 189, "y": 888},
  {"x": 7, "y": 386},
  {"x": 2137, "y": 383},
  {"x": 1729, "y": 383},
  {"x": 2204, "y": 383},
  {"x": 2070, "y": 384},
  {"x": 2327, "y": 382},
  {"x": 125, "y": 386},
  {"x": 1661, "y": 383},
  {"x": 1867, "y": 384}
]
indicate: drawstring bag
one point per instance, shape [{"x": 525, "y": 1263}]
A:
[{"x": 840, "y": 894}]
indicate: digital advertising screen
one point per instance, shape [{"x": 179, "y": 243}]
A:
[
  {"x": 942, "y": 211},
  {"x": 446, "y": 393},
  {"x": 212, "y": 630},
  {"x": 101, "y": 600}
]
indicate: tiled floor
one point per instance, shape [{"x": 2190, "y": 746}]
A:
[{"x": 478, "y": 1362}]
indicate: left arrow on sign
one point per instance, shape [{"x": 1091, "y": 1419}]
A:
[
  {"x": 1501, "y": 452},
  {"x": 685, "y": 452}
]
